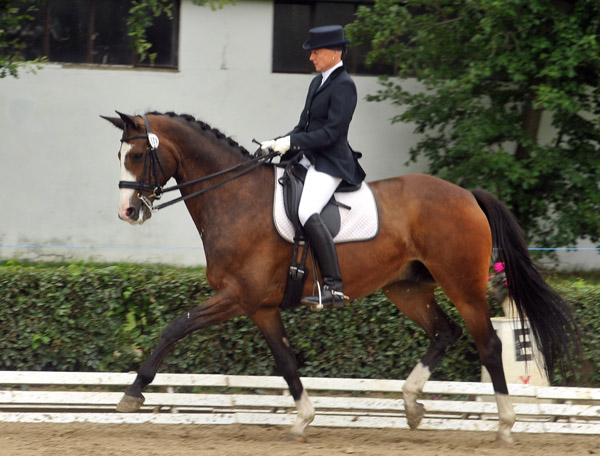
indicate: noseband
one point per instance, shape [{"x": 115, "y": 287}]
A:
[{"x": 150, "y": 182}]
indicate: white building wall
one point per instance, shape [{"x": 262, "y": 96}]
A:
[{"x": 58, "y": 160}]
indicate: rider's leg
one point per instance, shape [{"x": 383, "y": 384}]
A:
[{"x": 318, "y": 189}]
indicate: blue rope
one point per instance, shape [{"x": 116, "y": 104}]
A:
[
  {"x": 170, "y": 247},
  {"x": 566, "y": 249}
]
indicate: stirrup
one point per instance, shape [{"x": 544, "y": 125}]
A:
[
  {"x": 318, "y": 305},
  {"x": 315, "y": 307}
]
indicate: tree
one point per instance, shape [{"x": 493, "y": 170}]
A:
[
  {"x": 142, "y": 14},
  {"x": 12, "y": 14},
  {"x": 492, "y": 71}
]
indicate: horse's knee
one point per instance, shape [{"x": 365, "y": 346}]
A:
[
  {"x": 174, "y": 331},
  {"x": 176, "y": 328}
]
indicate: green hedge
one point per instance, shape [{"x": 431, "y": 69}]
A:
[{"x": 84, "y": 317}]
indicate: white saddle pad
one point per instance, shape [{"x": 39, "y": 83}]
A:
[{"x": 360, "y": 223}]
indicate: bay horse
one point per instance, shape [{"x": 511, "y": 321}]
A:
[{"x": 432, "y": 233}]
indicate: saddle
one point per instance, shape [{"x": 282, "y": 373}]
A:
[{"x": 292, "y": 182}]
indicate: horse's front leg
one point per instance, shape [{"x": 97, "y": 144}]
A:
[
  {"x": 268, "y": 320},
  {"x": 217, "y": 309}
]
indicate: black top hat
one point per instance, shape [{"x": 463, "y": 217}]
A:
[{"x": 327, "y": 37}]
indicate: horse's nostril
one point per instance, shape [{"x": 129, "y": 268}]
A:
[{"x": 129, "y": 212}]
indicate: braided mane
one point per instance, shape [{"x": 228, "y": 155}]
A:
[{"x": 204, "y": 127}]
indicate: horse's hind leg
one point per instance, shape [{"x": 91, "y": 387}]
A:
[
  {"x": 469, "y": 298},
  {"x": 268, "y": 320},
  {"x": 489, "y": 346},
  {"x": 417, "y": 301}
]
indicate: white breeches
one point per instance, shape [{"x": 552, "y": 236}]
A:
[{"x": 318, "y": 188}]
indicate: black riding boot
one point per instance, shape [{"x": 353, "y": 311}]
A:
[{"x": 323, "y": 248}]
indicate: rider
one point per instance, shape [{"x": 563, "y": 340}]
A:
[{"x": 320, "y": 141}]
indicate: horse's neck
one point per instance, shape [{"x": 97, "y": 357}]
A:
[
  {"x": 202, "y": 160},
  {"x": 215, "y": 210}
]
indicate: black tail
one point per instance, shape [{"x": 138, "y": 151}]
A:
[{"x": 554, "y": 329}]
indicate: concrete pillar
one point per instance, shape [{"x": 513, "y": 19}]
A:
[{"x": 518, "y": 351}]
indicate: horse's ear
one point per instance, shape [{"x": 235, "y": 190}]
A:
[
  {"x": 122, "y": 121},
  {"x": 116, "y": 121},
  {"x": 128, "y": 120}
]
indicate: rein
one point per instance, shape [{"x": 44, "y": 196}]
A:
[{"x": 152, "y": 165}]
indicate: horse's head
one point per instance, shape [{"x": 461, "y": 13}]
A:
[{"x": 144, "y": 168}]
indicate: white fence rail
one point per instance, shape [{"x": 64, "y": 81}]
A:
[{"x": 61, "y": 397}]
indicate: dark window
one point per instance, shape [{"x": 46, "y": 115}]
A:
[
  {"x": 94, "y": 31},
  {"x": 293, "y": 19}
]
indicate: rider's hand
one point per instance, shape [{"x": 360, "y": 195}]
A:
[
  {"x": 281, "y": 145},
  {"x": 266, "y": 145}
]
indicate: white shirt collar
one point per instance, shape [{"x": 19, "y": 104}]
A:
[{"x": 328, "y": 72}]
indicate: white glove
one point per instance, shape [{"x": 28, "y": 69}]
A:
[
  {"x": 266, "y": 145},
  {"x": 281, "y": 145}
]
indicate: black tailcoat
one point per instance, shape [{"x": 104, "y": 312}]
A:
[{"x": 322, "y": 132}]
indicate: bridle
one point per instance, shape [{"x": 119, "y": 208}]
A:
[
  {"x": 150, "y": 181},
  {"x": 150, "y": 170}
]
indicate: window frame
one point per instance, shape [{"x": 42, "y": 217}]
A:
[
  {"x": 284, "y": 46},
  {"x": 45, "y": 20}
]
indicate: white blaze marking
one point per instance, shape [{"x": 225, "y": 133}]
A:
[{"x": 125, "y": 194}]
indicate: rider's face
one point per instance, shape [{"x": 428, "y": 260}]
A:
[{"x": 324, "y": 59}]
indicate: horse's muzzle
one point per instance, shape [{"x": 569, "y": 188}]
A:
[{"x": 136, "y": 214}]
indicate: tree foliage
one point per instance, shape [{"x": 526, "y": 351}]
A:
[
  {"x": 142, "y": 13},
  {"x": 492, "y": 73},
  {"x": 109, "y": 317},
  {"x": 141, "y": 17},
  {"x": 12, "y": 14}
]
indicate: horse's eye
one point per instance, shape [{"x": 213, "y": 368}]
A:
[{"x": 137, "y": 156}]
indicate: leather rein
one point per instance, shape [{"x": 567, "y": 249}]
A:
[{"x": 150, "y": 182}]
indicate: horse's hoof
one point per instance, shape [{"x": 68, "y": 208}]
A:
[
  {"x": 414, "y": 419},
  {"x": 130, "y": 404},
  {"x": 504, "y": 440},
  {"x": 295, "y": 437}
]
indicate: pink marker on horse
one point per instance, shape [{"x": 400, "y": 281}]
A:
[{"x": 431, "y": 233}]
